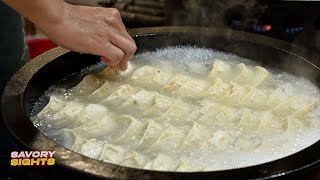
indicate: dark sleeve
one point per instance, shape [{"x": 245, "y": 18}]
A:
[
  {"x": 12, "y": 56},
  {"x": 13, "y": 52}
]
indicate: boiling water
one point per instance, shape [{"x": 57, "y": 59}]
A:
[{"x": 197, "y": 62}]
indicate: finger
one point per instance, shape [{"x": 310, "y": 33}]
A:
[
  {"x": 123, "y": 65},
  {"x": 111, "y": 54},
  {"x": 105, "y": 60},
  {"x": 128, "y": 47}
]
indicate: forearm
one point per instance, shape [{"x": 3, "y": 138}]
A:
[
  {"x": 39, "y": 11},
  {"x": 92, "y": 30}
]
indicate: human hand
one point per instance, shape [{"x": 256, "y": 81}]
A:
[{"x": 92, "y": 30}]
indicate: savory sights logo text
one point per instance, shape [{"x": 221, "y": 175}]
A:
[{"x": 32, "y": 158}]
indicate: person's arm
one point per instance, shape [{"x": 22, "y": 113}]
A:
[{"x": 92, "y": 30}]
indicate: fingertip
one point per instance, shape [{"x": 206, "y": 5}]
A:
[
  {"x": 134, "y": 47},
  {"x": 106, "y": 61},
  {"x": 123, "y": 66}
]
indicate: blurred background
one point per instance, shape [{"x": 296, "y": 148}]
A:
[{"x": 294, "y": 21}]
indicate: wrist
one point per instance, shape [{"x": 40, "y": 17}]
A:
[{"x": 53, "y": 15}]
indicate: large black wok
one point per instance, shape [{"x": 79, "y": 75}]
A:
[{"x": 30, "y": 82}]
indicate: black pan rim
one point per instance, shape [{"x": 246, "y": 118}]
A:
[{"x": 13, "y": 98}]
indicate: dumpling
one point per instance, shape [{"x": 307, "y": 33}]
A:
[
  {"x": 251, "y": 76},
  {"x": 209, "y": 118},
  {"x": 249, "y": 121},
  {"x": 172, "y": 137},
  {"x": 227, "y": 117},
  {"x": 176, "y": 82},
  {"x": 68, "y": 138},
  {"x": 113, "y": 153},
  {"x": 91, "y": 113},
  {"x": 152, "y": 133},
  {"x": 144, "y": 75},
  {"x": 196, "y": 137},
  {"x": 240, "y": 73},
  {"x": 177, "y": 111},
  {"x": 294, "y": 126},
  {"x": 163, "y": 163},
  {"x": 105, "y": 90},
  {"x": 287, "y": 107},
  {"x": 134, "y": 132},
  {"x": 260, "y": 77},
  {"x": 120, "y": 95},
  {"x": 276, "y": 98},
  {"x": 55, "y": 104},
  {"x": 151, "y": 77},
  {"x": 270, "y": 124},
  {"x": 162, "y": 104},
  {"x": 186, "y": 166},
  {"x": 134, "y": 159},
  {"x": 91, "y": 149},
  {"x": 88, "y": 84},
  {"x": 234, "y": 96},
  {"x": 161, "y": 77},
  {"x": 219, "y": 115},
  {"x": 141, "y": 100},
  {"x": 225, "y": 71},
  {"x": 256, "y": 99},
  {"x": 113, "y": 73},
  {"x": 105, "y": 126},
  {"x": 194, "y": 115},
  {"x": 207, "y": 107},
  {"x": 218, "y": 89},
  {"x": 247, "y": 143},
  {"x": 68, "y": 114},
  {"x": 302, "y": 112},
  {"x": 221, "y": 140},
  {"x": 193, "y": 88}
]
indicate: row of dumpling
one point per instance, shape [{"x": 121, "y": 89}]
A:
[
  {"x": 166, "y": 79},
  {"x": 115, "y": 154},
  {"x": 95, "y": 120},
  {"x": 171, "y": 137},
  {"x": 230, "y": 93},
  {"x": 160, "y": 78},
  {"x": 155, "y": 104},
  {"x": 224, "y": 117},
  {"x": 239, "y": 73},
  {"x": 120, "y": 155}
]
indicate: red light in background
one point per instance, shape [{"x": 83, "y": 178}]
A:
[{"x": 267, "y": 27}]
